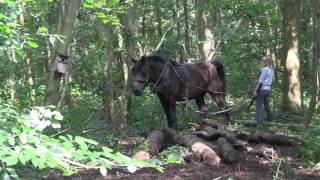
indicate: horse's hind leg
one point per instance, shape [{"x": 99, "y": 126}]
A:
[
  {"x": 203, "y": 108},
  {"x": 220, "y": 100}
]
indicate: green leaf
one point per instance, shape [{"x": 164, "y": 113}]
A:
[
  {"x": 23, "y": 138},
  {"x": 24, "y": 159},
  {"x": 12, "y": 173},
  {"x": 11, "y": 141},
  {"x": 32, "y": 44},
  {"x": 2, "y": 16},
  {"x": 35, "y": 161},
  {"x": 43, "y": 30},
  {"x": 4, "y": 174},
  {"x": 100, "y": 15},
  {"x": 11, "y": 160},
  {"x": 112, "y": 3}
]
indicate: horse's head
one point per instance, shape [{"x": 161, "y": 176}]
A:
[
  {"x": 145, "y": 71},
  {"x": 139, "y": 75}
]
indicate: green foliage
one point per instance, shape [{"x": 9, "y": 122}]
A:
[
  {"x": 107, "y": 10},
  {"x": 23, "y": 142},
  {"x": 173, "y": 155},
  {"x": 312, "y": 145}
]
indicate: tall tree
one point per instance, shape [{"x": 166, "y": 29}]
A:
[
  {"x": 206, "y": 20},
  {"x": 292, "y": 99},
  {"x": 176, "y": 13},
  {"x": 157, "y": 10},
  {"x": 315, "y": 64},
  {"x": 186, "y": 27},
  {"x": 130, "y": 49},
  {"x": 108, "y": 89},
  {"x": 67, "y": 15}
]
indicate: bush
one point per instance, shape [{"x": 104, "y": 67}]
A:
[
  {"x": 312, "y": 145},
  {"x": 22, "y": 141}
]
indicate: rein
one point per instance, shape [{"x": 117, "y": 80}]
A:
[{"x": 160, "y": 77}]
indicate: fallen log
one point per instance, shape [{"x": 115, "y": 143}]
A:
[
  {"x": 227, "y": 151},
  {"x": 280, "y": 139},
  {"x": 196, "y": 145},
  {"x": 209, "y": 133},
  {"x": 156, "y": 140},
  {"x": 263, "y": 151}
]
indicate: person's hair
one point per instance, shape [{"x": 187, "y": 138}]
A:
[{"x": 267, "y": 61}]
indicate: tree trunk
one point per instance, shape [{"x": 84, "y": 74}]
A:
[
  {"x": 292, "y": 99},
  {"x": 30, "y": 80},
  {"x": 157, "y": 9},
  {"x": 205, "y": 23},
  {"x": 177, "y": 15},
  {"x": 108, "y": 57},
  {"x": 67, "y": 16},
  {"x": 186, "y": 27},
  {"x": 315, "y": 64},
  {"x": 132, "y": 31},
  {"x": 12, "y": 77}
]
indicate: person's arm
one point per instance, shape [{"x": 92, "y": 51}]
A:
[{"x": 261, "y": 79}]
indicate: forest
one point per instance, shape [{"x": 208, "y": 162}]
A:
[{"x": 78, "y": 99}]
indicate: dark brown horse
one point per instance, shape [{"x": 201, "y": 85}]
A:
[{"x": 174, "y": 82}]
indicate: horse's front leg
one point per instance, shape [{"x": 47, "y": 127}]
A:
[{"x": 169, "y": 105}]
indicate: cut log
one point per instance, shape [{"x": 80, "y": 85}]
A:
[
  {"x": 263, "y": 151},
  {"x": 209, "y": 133},
  {"x": 156, "y": 140},
  {"x": 196, "y": 145},
  {"x": 280, "y": 139},
  {"x": 228, "y": 154}
]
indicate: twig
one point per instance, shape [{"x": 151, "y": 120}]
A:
[
  {"x": 60, "y": 132},
  {"x": 222, "y": 176},
  {"x": 163, "y": 38},
  {"x": 94, "y": 129},
  {"x": 278, "y": 170}
]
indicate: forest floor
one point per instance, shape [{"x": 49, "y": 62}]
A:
[{"x": 287, "y": 165}]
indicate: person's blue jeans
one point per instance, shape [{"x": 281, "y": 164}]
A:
[{"x": 263, "y": 97}]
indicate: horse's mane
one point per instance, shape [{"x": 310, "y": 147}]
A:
[{"x": 160, "y": 59}]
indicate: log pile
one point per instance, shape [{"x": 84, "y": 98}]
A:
[{"x": 215, "y": 144}]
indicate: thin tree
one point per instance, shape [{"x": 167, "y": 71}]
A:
[{"x": 108, "y": 89}]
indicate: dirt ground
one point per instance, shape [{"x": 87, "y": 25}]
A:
[{"x": 248, "y": 167}]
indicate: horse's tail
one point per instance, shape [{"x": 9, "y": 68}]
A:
[{"x": 221, "y": 74}]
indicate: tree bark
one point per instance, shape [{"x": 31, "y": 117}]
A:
[
  {"x": 67, "y": 16},
  {"x": 205, "y": 21},
  {"x": 186, "y": 27},
  {"x": 131, "y": 46},
  {"x": 177, "y": 15},
  {"x": 158, "y": 16},
  {"x": 30, "y": 80},
  {"x": 315, "y": 64},
  {"x": 12, "y": 77},
  {"x": 108, "y": 57},
  {"x": 292, "y": 99}
]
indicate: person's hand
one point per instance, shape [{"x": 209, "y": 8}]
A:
[{"x": 254, "y": 94}]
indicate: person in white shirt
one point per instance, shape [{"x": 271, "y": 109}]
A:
[{"x": 263, "y": 90}]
